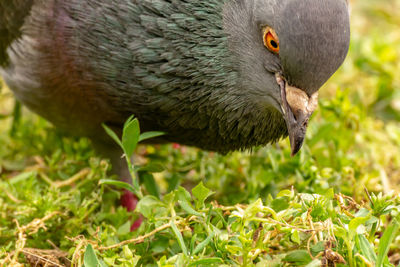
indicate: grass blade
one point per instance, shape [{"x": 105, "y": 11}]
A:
[
  {"x": 385, "y": 242},
  {"x": 203, "y": 244},
  {"x": 179, "y": 237},
  {"x": 366, "y": 248},
  {"x": 16, "y": 118}
]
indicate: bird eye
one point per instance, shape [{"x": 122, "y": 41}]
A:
[{"x": 271, "y": 40}]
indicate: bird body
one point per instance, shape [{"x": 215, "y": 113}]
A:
[{"x": 196, "y": 70}]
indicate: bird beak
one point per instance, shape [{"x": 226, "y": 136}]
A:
[{"x": 297, "y": 108}]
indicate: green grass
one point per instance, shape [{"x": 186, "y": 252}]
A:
[{"x": 336, "y": 202}]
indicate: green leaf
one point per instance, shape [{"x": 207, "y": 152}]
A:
[
  {"x": 147, "y": 205},
  {"x": 295, "y": 237},
  {"x": 118, "y": 184},
  {"x": 182, "y": 194},
  {"x": 127, "y": 252},
  {"x": 90, "y": 258},
  {"x": 385, "y": 241},
  {"x": 355, "y": 223},
  {"x": 317, "y": 248},
  {"x": 280, "y": 204},
  {"x": 150, "y": 184},
  {"x": 102, "y": 263},
  {"x": 130, "y": 136},
  {"x": 170, "y": 198},
  {"x": 201, "y": 193},
  {"x": 124, "y": 229},
  {"x": 179, "y": 237},
  {"x": 366, "y": 248},
  {"x": 340, "y": 231},
  {"x": 186, "y": 207},
  {"x": 206, "y": 262},
  {"x": 252, "y": 210},
  {"x": 298, "y": 257},
  {"x": 203, "y": 244},
  {"x": 134, "y": 262},
  {"x": 113, "y": 135},
  {"x": 149, "y": 135},
  {"x": 285, "y": 193},
  {"x": 329, "y": 194}
]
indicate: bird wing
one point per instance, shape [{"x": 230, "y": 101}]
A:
[{"x": 12, "y": 16}]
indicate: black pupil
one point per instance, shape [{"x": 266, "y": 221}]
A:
[{"x": 274, "y": 44}]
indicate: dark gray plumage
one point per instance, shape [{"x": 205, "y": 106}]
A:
[{"x": 198, "y": 70}]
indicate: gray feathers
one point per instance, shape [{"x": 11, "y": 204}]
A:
[{"x": 197, "y": 70}]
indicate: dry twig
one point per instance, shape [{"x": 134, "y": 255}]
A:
[{"x": 33, "y": 227}]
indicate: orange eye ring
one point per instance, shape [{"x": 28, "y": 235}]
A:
[{"x": 271, "y": 40}]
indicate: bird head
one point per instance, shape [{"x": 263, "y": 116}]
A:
[{"x": 285, "y": 50}]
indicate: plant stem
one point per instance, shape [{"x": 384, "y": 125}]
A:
[
  {"x": 350, "y": 253},
  {"x": 372, "y": 232},
  {"x": 135, "y": 178}
]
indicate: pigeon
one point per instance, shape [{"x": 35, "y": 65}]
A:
[{"x": 218, "y": 75}]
